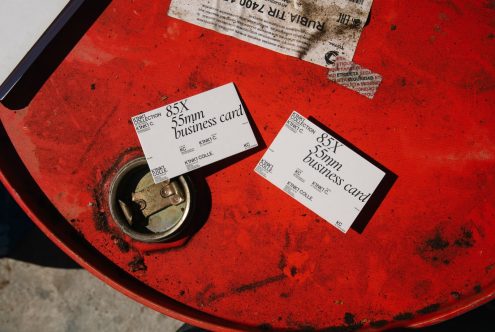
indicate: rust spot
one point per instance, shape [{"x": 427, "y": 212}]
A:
[
  {"x": 196, "y": 81},
  {"x": 137, "y": 264},
  {"x": 490, "y": 4},
  {"x": 466, "y": 240},
  {"x": 490, "y": 267},
  {"x": 121, "y": 243},
  {"x": 379, "y": 323},
  {"x": 282, "y": 263},
  {"x": 455, "y": 295},
  {"x": 100, "y": 218},
  {"x": 446, "y": 244},
  {"x": 214, "y": 297},
  {"x": 349, "y": 318},
  {"x": 429, "y": 309},
  {"x": 404, "y": 316},
  {"x": 287, "y": 239},
  {"x": 477, "y": 289},
  {"x": 479, "y": 81},
  {"x": 182, "y": 292},
  {"x": 200, "y": 295},
  {"x": 437, "y": 242},
  {"x": 257, "y": 284},
  {"x": 293, "y": 271},
  {"x": 101, "y": 222},
  {"x": 203, "y": 300},
  {"x": 393, "y": 27},
  {"x": 284, "y": 295},
  {"x": 93, "y": 86}
]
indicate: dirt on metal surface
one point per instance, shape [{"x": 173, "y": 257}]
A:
[{"x": 262, "y": 260}]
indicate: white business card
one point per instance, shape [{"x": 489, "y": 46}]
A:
[
  {"x": 320, "y": 172},
  {"x": 194, "y": 132}
]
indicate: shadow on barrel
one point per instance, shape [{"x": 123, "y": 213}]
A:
[{"x": 380, "y": 192}]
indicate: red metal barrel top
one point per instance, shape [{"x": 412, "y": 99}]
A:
[{"x": 262, "y": 259}]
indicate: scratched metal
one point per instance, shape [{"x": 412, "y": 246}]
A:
[{"x": 262, "y": 260}]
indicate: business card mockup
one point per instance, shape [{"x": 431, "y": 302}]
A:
[
  {"x": 194, "y": 132},
  {"x": 320, "y": 172}
]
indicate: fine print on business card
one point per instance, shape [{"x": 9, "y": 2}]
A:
[
  {"x": 194, "y": 132},
  {"x": 320, "y": 172}
]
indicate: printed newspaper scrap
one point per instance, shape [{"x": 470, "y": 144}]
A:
[{"x": 312, "y": 30}]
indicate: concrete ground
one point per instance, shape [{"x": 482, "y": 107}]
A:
[{"x": 38, "y": 298}]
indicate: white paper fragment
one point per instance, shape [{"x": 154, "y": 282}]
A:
[
  {"x": 312, "y": 30},
  {"x": 355, "y": 77}
]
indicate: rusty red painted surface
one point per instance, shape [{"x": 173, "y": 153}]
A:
[{"x": 261, "y": 259}]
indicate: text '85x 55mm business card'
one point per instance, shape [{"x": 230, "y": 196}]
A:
[
  {"x": 320, "y": 172},
  {"x": 194, "y": 132}
]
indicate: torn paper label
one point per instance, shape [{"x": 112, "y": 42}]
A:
[
  {"x": 312, "y": 30},
  {"x": 320, "y": 172},
  {"x": 194, "y": 132},
  {"x": 355, "y": 77}
]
